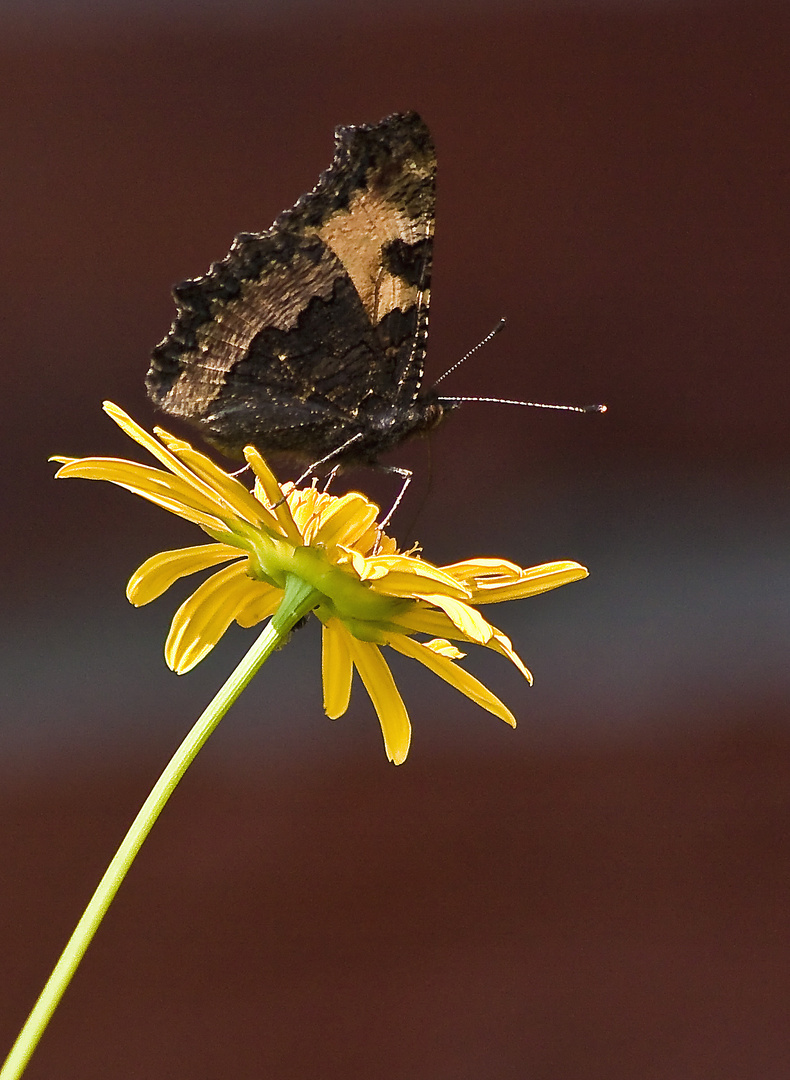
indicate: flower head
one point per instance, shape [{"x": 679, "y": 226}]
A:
[{"x": 367, "y": 595}]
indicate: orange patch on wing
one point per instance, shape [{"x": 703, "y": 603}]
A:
[{"x": 357, "y": 236}]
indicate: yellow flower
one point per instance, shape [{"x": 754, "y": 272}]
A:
[{"x": 366, "y": 593}]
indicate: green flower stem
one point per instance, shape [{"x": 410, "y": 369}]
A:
[{"x": 298, "y": 600}]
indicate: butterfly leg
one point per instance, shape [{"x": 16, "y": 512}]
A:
[
  {"x": 327, "y": 457},
  {"x": 406, "y": 476},
  {"x": 330, "y": 478}
]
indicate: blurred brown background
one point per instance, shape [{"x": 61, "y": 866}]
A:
[{"x": 604, "y": 891}]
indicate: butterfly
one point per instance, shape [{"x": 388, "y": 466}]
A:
[{"x": 309, "y": 339}]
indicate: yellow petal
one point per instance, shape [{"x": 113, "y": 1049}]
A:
[
  {"x": 336, "y": 668},
  {"x": 263, "y": 601},
  {"x": 379, "y": 683},
  {"x": 375, "y": 540},
  {"x": 360, "y": 564},
  {"x": 402, "y": 568},
  {"x": 452, "y": 674},
  {"x": 306, "y": 512},
  {"x": 534, "y": 580},
  {"x": 398, "y": 583},
  {"x": 471, "y": 571},
  {"x": 158, "y": 573},
  {"x": 158, "y": 450},
  {"x": 205, "y": 616},
  {"x": 228, "y": 489},
  {"x": 306, "y": 506},
  {"x": 169, "y": 492},
  {"x": 274, "y": 494},
  {"x": 425, "y": 620},
  {"x": 345, "y": 520},
  {"x": 304, "y": 503},
  {"x": 501, "y": 643},
  {"x": 467, "y": 619},
  {"x": 443, "y": 647}
]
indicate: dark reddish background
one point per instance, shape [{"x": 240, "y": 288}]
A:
[{"x": 609, "y": 903}]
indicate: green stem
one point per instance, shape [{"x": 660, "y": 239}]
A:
[{"x": 298, "y": 600}]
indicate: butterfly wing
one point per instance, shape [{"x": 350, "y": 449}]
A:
[{"x": 308, "y": 333}]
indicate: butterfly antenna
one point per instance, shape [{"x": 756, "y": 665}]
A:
[
  {"x": 492, "y": 333},
  {"x": 530, "y": 404},
  {"x": 506, "y": 401}
]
